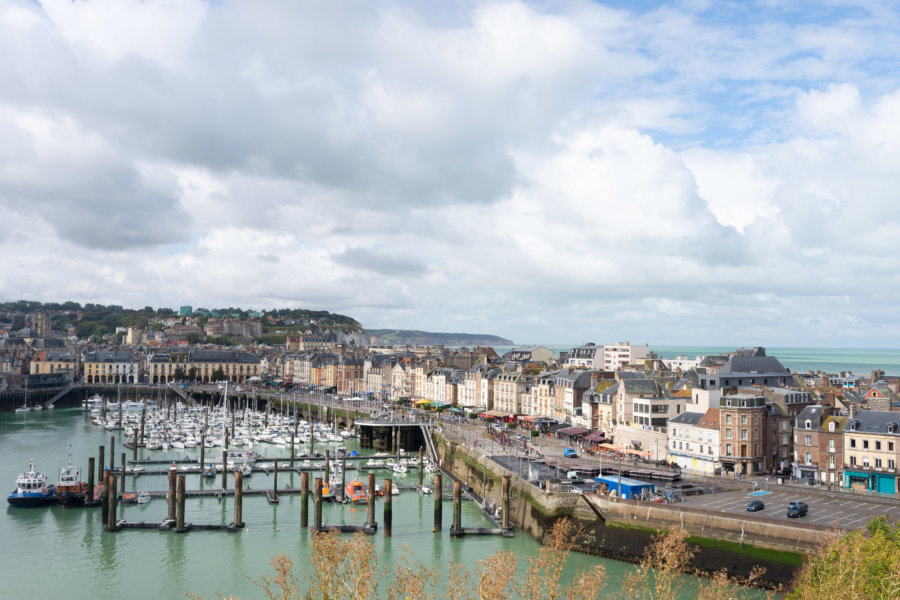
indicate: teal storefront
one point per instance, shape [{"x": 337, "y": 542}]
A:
[{"x": 877, "y": 482}]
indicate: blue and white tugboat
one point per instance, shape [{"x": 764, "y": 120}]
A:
[{"x": 32, "y": 489}]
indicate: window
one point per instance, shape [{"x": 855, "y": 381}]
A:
[
  {"x": 891, "y": 464},
  {"x": 743, "y": 434},
  {"x": 808, "y": 457},
  {"x": 831, "y": 462},
  {"x": 728, "y": 433},
  {"x": 853, "y": 442},
  {"x": 831, "y": 426},
  {"x": 890, "y": 446},
  {"x": 743, "y": 419},
  {"x": 866, "y": 462},
  {"x": 877, "y": 463},
  {"x": 728, "y": 419},
  {"x": 831, "y": 445},
  {"x": 877, "y": 445},
  {"x": 727, "y": 449},
  {"x": 808, "y": 424},
  {"x": 853, "y": 461},
  {"x": 865, "y": 444}
]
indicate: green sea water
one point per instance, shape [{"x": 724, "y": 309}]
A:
[{"x": 55, "y": 552}]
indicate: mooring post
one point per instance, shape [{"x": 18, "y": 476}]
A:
[
  {"x": 312, "y": 438},
  {"x": 266, "y": 421},
  {"x": 317, "y": 510},
  {"x": 343, "y": 473},
  {"x": 113, "y": 493},
  {"x": 104, "y": 496},
  {"x": 226, "y": 438},
  {"x": 232, "y": 424},
  {"x": 112, "y": 454},
  {"x": 293, "y": 435},
  {"x": 274, "y": 482},
  {"x": 438, "y": 501},
  {"x": 143, "y": 420},
  {"x": 457, "y": 506},
  {"x": 122, "y": 474},
  {"x": 89, "y": 496},
  {"x": 371, "y": 499},
  {"x": 103, "y": 412},
  {"x": 304, "y": 500},
  {"x": 225, "y": 468},
  {"x": 421, "y": 470},
  {"x": 388, "y": 507},
  {"x": 101, "y": 464},
  {"x": 395, "y": 442},
  {"x": 170, "y": 495},
  {"x": 505, "y": 502},
  {"x": 179, "y": 518},
  {"x": 327, "y": 464},
  {"x": 238, "y": 499}
]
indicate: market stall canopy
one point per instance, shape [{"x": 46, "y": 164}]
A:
[{"x": 573, "y": 431}]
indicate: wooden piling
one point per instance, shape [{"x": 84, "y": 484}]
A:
[
  {"x": 202, "y": 451},
  {"x": 421, "y": 470},
  {"x": 238, "y": 499},
  {"x": 457, "y": 506},
  {"x": 438, "y": 505},
  {"x": 225, "y": 469},
  {"x": 143, "y": 420},
  {"x": 505, "y": 502},
  {"x": 104, "y": 497},
  {"x": 170, "y": 496},
  {"x": 101, "y": 464},
  {"x": 122, "y": 474},
  {"x": 304, "y": 500},
  {"x": 89, "y": 497},
  {"x": 113, "y": 493},
  {"x": 226, "y": 438},
  {"x": 371, "y": 500},
  {"x": 112, "y": 454},
  {"x": 388, "y": 507},
  {"x": 179, "y": 518},
  {"x": 317, "y": 510},
  {"x": 327, "y": 464},
  {"x": 274, "y": 482},
  {"x": 343, "y": 474}
]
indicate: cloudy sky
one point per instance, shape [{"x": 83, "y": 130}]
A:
[{"x": 553, "y": 172}]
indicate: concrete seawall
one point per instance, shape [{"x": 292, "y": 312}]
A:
[{"x": 622, "y": 529}]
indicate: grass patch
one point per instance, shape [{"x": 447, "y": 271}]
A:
[
  {"x": 779, "y": 556},
  {"x": 633, "y": 527}
]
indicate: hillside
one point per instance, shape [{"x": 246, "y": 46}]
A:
[{"x": 397, "y": 337}]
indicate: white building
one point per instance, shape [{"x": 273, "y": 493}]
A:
[
  {"x": 620, "y": 354},
  {"x": 694, "y": 441}
]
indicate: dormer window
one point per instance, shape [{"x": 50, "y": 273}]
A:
[
  {"x": 831, "y": 426},
  {"x": 808, "y": 424},
  {"x": 853, "y": 425},
  {"x": 892, "y": 427}
]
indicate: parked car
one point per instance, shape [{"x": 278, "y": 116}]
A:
[
  {"x": 570, "y": 453},
  {"x": 756, "y": 506},
  {"x": 797, "y": 509}
]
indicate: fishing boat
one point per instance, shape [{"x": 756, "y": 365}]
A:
[
  {"x": 32, "y": 489},
  {"x": 355, "y": 492},
  {"x": 70, "y": 490}
]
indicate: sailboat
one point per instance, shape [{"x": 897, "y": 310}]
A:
[{"x": 26, "y": 408}]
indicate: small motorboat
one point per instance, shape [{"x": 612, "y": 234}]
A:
[
  {"x": 424, "y": 489},
  {"x": 355, "y": 492},
  {"x": 143, "y": 497}
]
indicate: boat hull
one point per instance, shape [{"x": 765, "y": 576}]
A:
[{"x": 20, "y": 500}]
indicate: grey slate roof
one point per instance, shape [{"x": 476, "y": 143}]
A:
[
  {"x": 687, "y": 418},
  {"x": 811, "y": 413},
  {"x": 752, "y": 365},
  {"x": 874, "y": 421}
]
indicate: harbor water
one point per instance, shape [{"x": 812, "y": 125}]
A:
[{"x": 52, "y": 551}]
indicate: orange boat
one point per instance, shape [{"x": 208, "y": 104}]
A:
[{"x": 355, "y": 492}]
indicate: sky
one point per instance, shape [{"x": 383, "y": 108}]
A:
[{"x": 694, "y": 172}]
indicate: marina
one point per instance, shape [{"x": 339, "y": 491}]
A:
[{"x": 211, "y": 557}]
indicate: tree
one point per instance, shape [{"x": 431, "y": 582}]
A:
[
  {"x": 218, "y": 374},
  {"x": 855, "y": 564},
  {"x": 192, "y": 338},
  {"x": 179, "y": 374},
  {"x": 192, "y": 373}
]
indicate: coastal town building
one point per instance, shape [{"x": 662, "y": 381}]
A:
[
  {"x": 871, "y": 445},
  {"x": 694, "y": 442},
  {"x": 111, "y": 366},
  {"x": 619, "y": 355}
]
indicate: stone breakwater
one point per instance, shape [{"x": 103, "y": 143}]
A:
[{"x": 622, "y": 529}]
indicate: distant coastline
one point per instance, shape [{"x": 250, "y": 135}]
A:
[{"x": 861, "y": 361}]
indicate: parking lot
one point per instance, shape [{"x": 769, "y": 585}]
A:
[{"x": 824, "y": 510}]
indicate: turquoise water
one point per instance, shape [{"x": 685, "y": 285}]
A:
[
  {"x": 861, "y": 361},
  {"x": 51, "y": 552}
]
